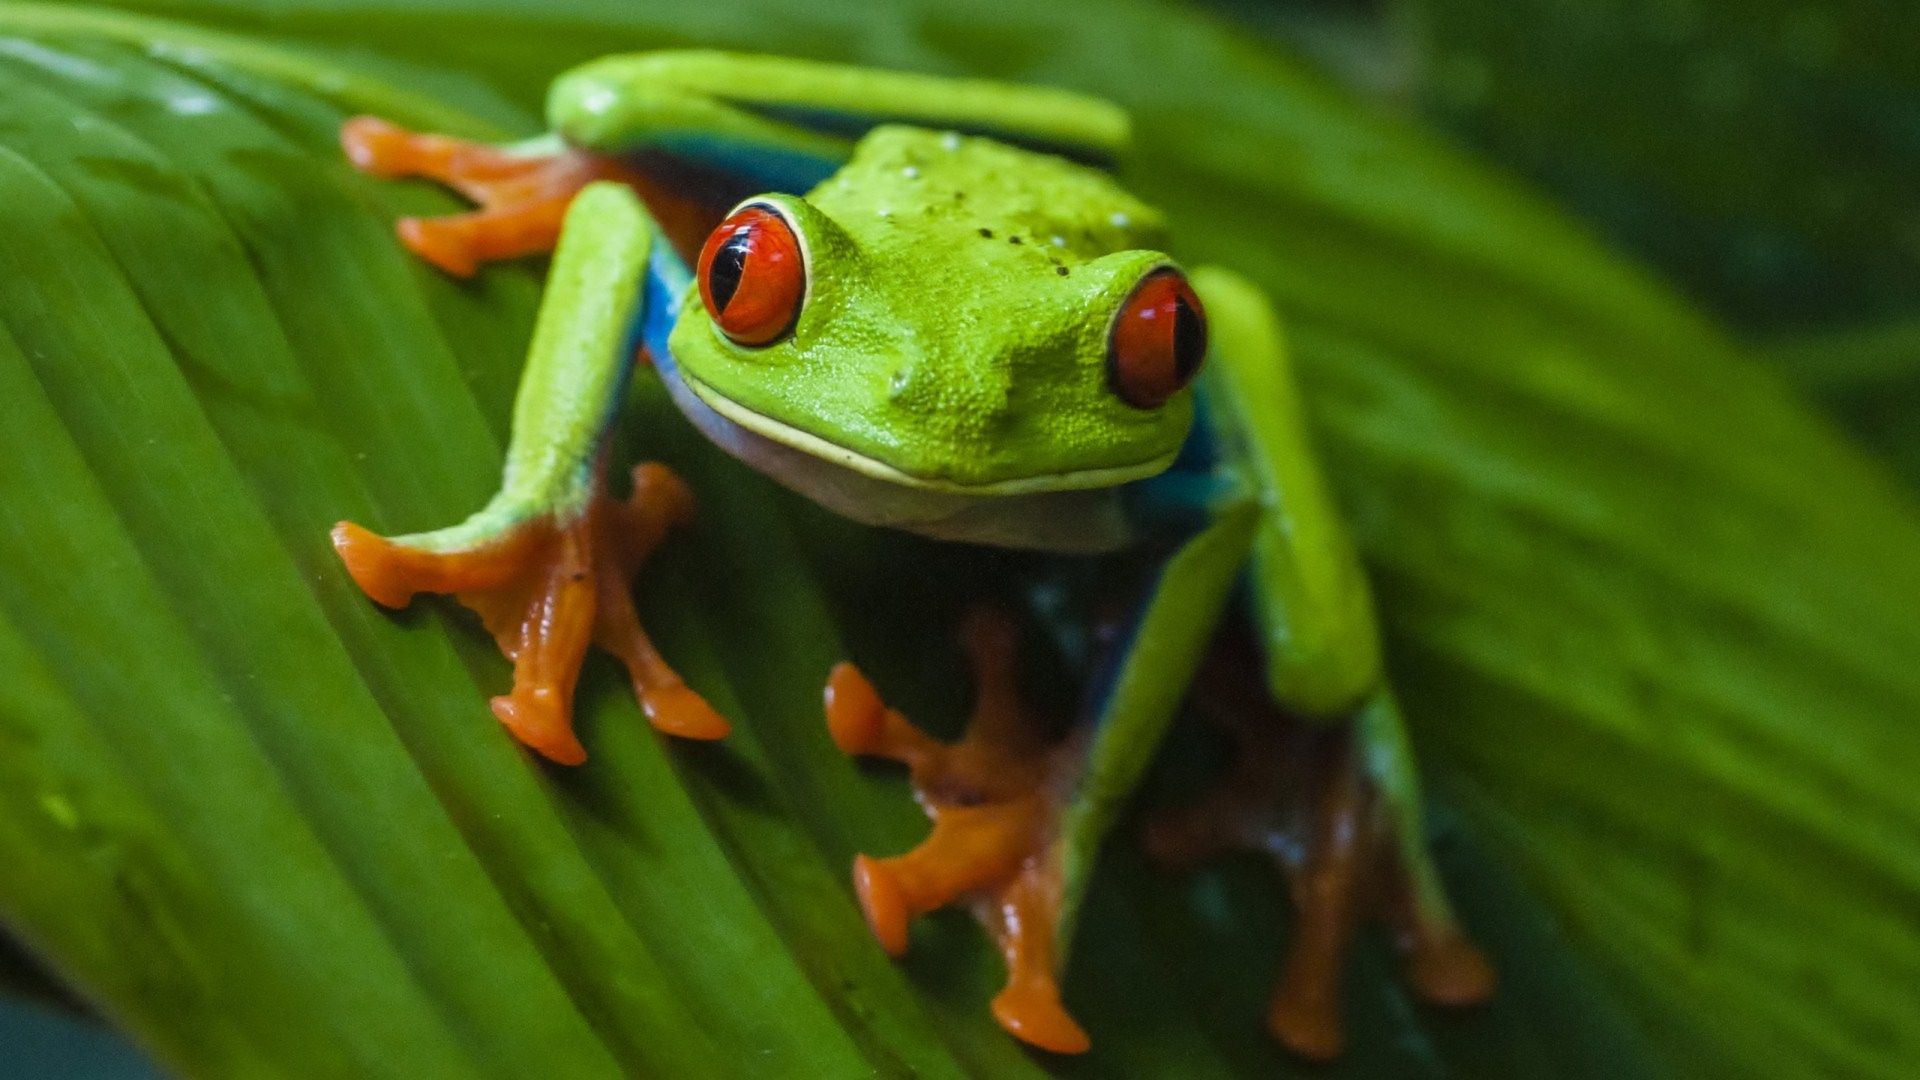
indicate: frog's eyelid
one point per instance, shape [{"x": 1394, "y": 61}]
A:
[
  {"x": 1151, "y": 358},
  {"x": 777, "y": 205},
  {"x": 769, "y": 309},
  {"x": 1118, "y": 297}
]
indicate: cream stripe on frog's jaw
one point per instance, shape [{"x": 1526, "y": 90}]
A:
[{"x": 811, "y": 444}]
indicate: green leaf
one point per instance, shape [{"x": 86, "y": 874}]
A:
[
  {"x": 1870, "y": 378},
  {"x": 1790, "y": 216},
  {"x": 1787, "y": 220},
  {"x": 1651, "y": 620}
]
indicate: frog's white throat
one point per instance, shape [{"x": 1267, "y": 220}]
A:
[{"x": 1083, "y": 519}]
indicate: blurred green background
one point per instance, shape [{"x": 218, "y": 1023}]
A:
[{"x": 1761, "y": 153}]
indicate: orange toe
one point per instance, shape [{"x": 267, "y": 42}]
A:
[
  {"x": 856, "y": 717},
  {"x": 447, "y": 243},
  {"x": 375, "y": 146},
  {"x": 1031, "y": 1011},
  {"x": 1307, "y": 1024},
  {"x": 1449, "y": 970},
  {"x": 540, "y": 720},
  {"x": 884, "y": 902},
  {"x": 374, "y": 563},
  {"x": 661, "y": 489},
  {"x": 677, "y": 710}
]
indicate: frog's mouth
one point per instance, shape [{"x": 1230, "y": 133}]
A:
[
  {"x": 827, "y": 451},
  {"x": 1022, "y": 514}
]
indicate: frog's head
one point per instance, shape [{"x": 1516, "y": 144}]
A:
[{"x": 952, "y": 314}]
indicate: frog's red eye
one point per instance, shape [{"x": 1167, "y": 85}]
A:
[
  {"x": 753, "y": 277},
  {"x": 1158, "y": 340}
]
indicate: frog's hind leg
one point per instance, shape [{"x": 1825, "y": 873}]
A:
[
  {"x": 1329, "y": 805},
  {"x": 1443, "y": 965},
  {"x": 522, "y": 191},
  {"x": 996, "y": 799}
]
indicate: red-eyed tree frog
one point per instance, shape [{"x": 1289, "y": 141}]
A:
[{"x": 927, "y": 304}]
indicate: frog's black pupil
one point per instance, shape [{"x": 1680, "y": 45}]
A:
[
  {"x": 723, "y": 277},
  {"x": 1189, "y": 339}
]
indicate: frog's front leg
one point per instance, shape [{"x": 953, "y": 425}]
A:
[
  {"x": 1017, "y": 822},
  {"x": 996, "y": 800},
  {"x": 548, "y": 563}
]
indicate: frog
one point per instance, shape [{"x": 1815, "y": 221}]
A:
[{"x": 928, "y": 304}]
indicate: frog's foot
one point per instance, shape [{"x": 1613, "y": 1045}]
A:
[
  {"x": 547, "y": 588},
  {"x": 522, "y": 195},
  {"x": 996, "y": 799},
  {"x": 1302, "y": 796}
]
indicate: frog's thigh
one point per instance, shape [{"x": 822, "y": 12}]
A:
[
  {"x": 754, "y": 114},
  {"x": 1309, "y": 592}
]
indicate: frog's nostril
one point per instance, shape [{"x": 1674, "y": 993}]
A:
[{"x": 897, "y": 385}]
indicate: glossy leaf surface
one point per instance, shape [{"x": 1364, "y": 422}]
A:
[{"x": 1646, "y": 611}]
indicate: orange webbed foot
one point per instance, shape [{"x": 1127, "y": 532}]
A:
[
  {"x": 995, "y": 799},
  {"x": 547, "y": 589},
  {"x": 522, "y": 197},
  {"x": 1300, "y": 795}
]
